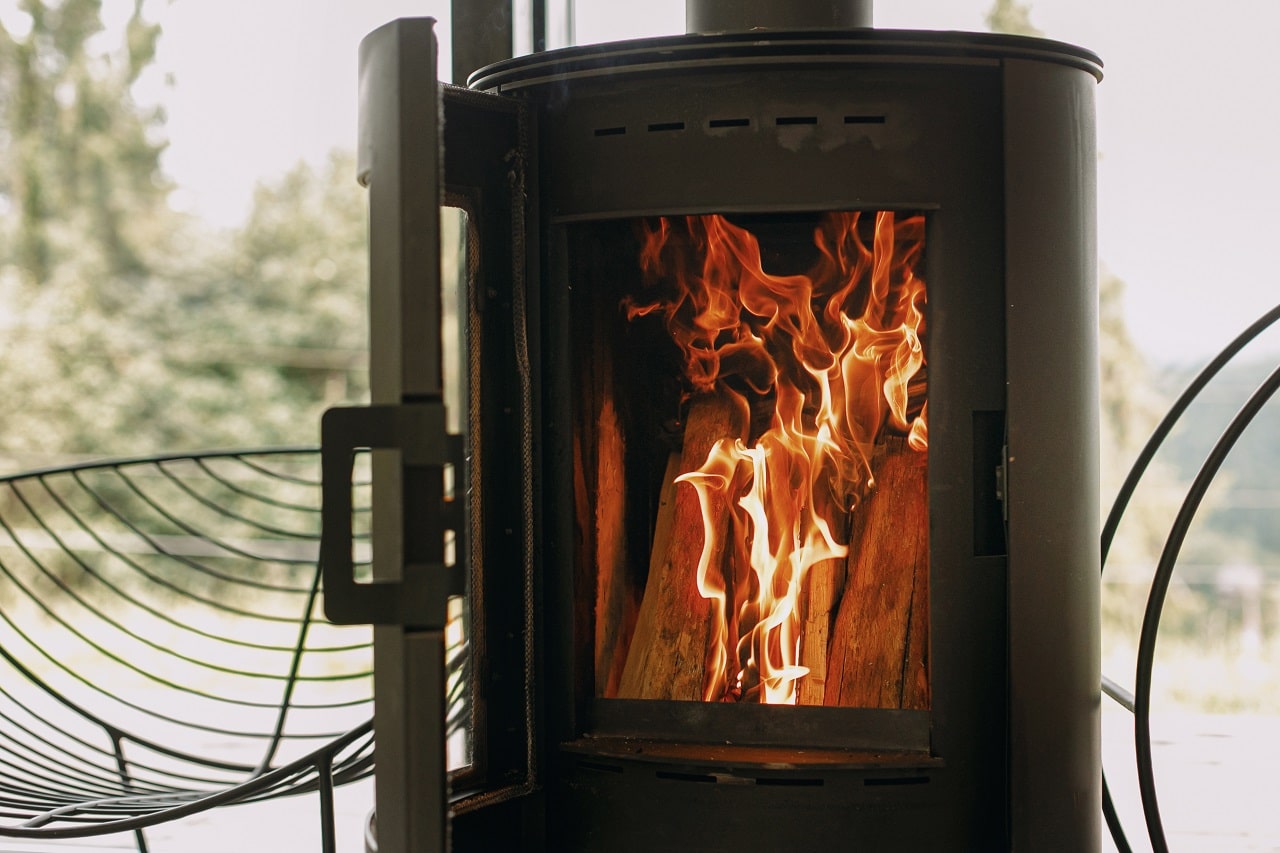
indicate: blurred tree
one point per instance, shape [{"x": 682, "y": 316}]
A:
[
  {"x": 82, "y": 171},
  {"x": 278, "y": 312},
  {"x": 126, "y": 327},
  {"x": 86, "y": 223},
  {"x": 1012, "y": 17},
  {"x": 1130, "y": 407}
]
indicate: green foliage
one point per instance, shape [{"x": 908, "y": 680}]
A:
[
  {"x": 1012, "y": 17},
  {"x": 1246, "y": 495},
  {"x": 243, "y": 341},
  {"x": 83, "y": 171},
  {"x": 301, "y": 260},
  {"x": 280, "y": 307},
  {"x": 127, "y": 327}
]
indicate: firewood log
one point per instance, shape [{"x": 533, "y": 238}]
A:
[
  {"x": 674, "y": 628},
  {"x": 915, "y": 674},
  {"x": 879, "y": 646},
  {"x": 605, "y": 575},
  {"x": 615, "y": 605},
  {"x": 819, "y": 598}
]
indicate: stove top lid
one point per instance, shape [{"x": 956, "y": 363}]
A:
[{"x": 776, "y": 49}]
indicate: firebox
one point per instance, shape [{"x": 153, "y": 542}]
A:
[
  {"x": 735, "y": 485},
  {"x": 749, "y": 410}
]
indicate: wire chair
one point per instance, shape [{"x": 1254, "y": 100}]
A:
[
  {"x": 162, "y": 649},
  {"x": 1139, "y": 701}
]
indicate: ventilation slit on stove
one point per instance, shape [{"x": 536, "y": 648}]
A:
[
  {"x": 610, "y": 131},
  {"x": 895, "y": 781},
  {"x": 599, "y": 766},
  {"x": 684, "y": 777},
  {"x": 785, "y": 121},
  {"x": 781, "y": 781},
  {"x": 729, "y": 122},
  {"x": 659, "y": 127}
]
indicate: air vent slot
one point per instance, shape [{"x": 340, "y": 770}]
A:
[
  {"x": 787, "y": 121},
  {"x": 895, "y": 781},
  {"x": 864, "y": 119},
  {"x": 599, "y": 766},
  {"x": 729, "y": 122},
  {"x": 684, "y": 777},
  {"x": 610, "y": 131},
  {"x": 783, "y": 781},
  {"x": 662, "y": 126}
]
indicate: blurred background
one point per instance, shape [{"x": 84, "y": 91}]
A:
[{"x": 182, "y": 266}]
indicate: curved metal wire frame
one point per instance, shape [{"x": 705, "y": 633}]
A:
[
  {"x": 1140, "y": 702},
  {"x": 160, "y": 627}
]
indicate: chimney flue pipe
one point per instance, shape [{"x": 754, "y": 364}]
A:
[{"x": 735, "y": 16}]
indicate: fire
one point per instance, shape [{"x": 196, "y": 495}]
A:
[{"x": 829, "y": 362}]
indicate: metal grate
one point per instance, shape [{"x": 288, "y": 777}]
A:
[{"x": 162, "y": 649}]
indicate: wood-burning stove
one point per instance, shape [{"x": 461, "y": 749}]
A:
[{"x": 858, "y": 265}]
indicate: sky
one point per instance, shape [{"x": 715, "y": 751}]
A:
[{"x": 1188, "y": 115}]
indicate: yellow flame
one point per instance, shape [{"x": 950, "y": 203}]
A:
[{"x": 838, "y": 351}]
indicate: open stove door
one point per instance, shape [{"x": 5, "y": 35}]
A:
[{"x": 450, "y": 772}]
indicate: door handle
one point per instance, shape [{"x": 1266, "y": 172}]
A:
[{"x": 419, "y": 597}]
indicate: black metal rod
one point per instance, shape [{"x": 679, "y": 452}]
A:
[
  {"x": 139, "y": 837},
  {"x": 539, "y": 14},
  {"x": 482, "y": 33},
  {"x": 324, "y": 781},
  {"x": 1112, "y": 818},
  {"x": 177, "y": 456},
  {"x": 1159, "y": 589},
  {"x": 1123, "y": 697},
  {"x": 291, "y": 682},
  {"x": 178, "y": 806},
  {"x": 728, "y": 16}
]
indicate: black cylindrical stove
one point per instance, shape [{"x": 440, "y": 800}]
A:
[{"x": 718, "y": 241}]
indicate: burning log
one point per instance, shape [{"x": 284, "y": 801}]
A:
[
  {"x": 676, "y": 625},
  {"x": 819, "y": 598},
  {"x": 915, "y": 673},
  {"x": 615, "y": 613},
  {"x": 879, "y": 645},
  {"x": 605, "y": 572}
]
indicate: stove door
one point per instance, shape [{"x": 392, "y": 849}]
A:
[{"x": 447, "y": 279}]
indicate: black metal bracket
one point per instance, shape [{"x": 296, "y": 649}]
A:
[{"x": 418, "y": 598}]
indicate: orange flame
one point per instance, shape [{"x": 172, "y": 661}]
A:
[{"x": 837, "y": 353}]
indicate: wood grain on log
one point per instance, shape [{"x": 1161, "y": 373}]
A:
[
  {"x": 879, "y": 645},
  {"x": 819, "y": 599},
  {"x": 616, "y": 606},
  {"x": 674, "y": 630}
]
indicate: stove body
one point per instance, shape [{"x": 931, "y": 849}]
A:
[{"x": 560, "y": 160}]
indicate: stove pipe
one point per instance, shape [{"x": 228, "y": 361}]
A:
[{"x": 735, "y": 16}]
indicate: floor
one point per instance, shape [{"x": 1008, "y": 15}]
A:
[
  {"x": 289, "y": 825},
  {"x": 1215, "y": 777},
  {"x": 1215, "y": 780}
]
